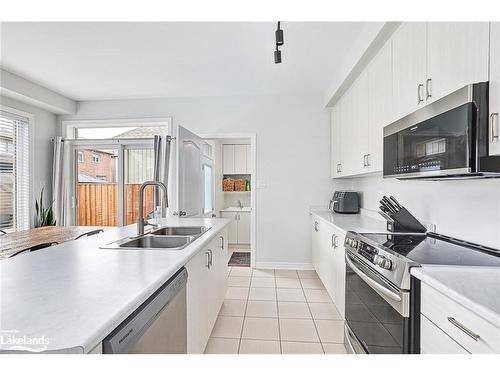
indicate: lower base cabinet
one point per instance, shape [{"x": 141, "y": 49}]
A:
[
  {"x": 327, "y": 253},
  {"x": 206, "y": 288}
]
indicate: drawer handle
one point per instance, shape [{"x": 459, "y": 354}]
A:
[{"x": 464, "y": 329}]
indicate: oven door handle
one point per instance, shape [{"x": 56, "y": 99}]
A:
[{"x": 379, "y": 288}]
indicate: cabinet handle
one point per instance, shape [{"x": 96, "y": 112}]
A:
[
  {"x": 492, "y": 127},
  {"x": 333, "y": 240},
  {"x": 340, "y": 167},
  {"x": 368, "y": 160},
  {"x": 463, "y": 328},
  {"x": 364, "y": 161},
  {"x": 428, "y": 88},
  {"x": 208, "y": 259},
  {"x": 316, "y": 226},
  {"x": 211, "y": 258},
  {"x": 420, "y": 87},
  {"x": 222, "y": 242}
]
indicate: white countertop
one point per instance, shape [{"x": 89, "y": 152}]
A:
[
  {"x": 236, "y": 209},
  {"x": 75, "y": 294},
  {"x": 475, "y": 288},
  {"x": 350, "y": 222}
]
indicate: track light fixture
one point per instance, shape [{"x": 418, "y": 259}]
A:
[{"x": 279, "y": 42}]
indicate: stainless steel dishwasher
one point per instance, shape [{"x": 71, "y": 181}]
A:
[{"x": 157, "y": 326}]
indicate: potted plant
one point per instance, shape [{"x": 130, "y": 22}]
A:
[{"x": 44, "y": 216}]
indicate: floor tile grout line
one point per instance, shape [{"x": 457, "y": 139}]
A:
[
  {"x": 245, "y": 313},
  {"x": 312, "y": 317},
  {"x": 277, "y": 311}
]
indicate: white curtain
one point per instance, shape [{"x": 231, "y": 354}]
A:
[
  {"x": 162, "y": 163},
  {"x": 61, "y": 184}
]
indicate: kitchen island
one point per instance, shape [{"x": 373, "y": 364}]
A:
[{"x": 71, "y": 296}]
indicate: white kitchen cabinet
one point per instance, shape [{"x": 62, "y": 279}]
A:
[
  {"x": 336, "y": 141},
  {"x": 327, "y": 254},
  {"x": 236, "y": 159},
  {"x": 228, "y": 159},
  {"x": 379, "y": 105},
  {"x": 494, "y": 124},
  {"x": 408, "y": 68},
  {"x": 239, "y": 227},
  {"x": 463, "y": 326},
  {"x": 434, "y": 340},
  {"x": 457, "y": 55},
  {"x": 206, "y": 288}
]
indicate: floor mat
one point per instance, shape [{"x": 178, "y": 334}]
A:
[{"x": 240, "y": 259}]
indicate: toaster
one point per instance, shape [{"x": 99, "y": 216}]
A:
[{"x": 345, "y": 202}]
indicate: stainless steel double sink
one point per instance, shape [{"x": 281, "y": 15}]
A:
[{"x": 165, "y": 238}]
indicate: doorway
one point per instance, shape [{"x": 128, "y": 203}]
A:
[{"x": 234, "y": 177}]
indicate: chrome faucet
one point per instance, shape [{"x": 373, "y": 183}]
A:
[
  {"x": 141, "y": 222},
  {"x": 239, "y": 204}
]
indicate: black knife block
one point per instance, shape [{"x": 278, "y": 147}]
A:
[{"x": 405, "y": 222}]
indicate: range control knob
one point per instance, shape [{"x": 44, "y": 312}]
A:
[{"x": 382, "y": 262}]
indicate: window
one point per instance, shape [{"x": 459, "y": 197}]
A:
[
  {"x": 14, "y": 172},
  {"x": 96, "y": 158},
  {"x": 80, "y": 156},
  {"x": 207, "y": 189}
]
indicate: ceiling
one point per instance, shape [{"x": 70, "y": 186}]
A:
[{"x": 91, "y": 61}]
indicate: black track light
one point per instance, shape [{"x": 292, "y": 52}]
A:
[
  {"x": 279, "y": 42},
  {"x": 279, "y": 36},
  {"x": 277, "y": 56}
]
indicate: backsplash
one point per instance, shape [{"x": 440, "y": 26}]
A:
[{"x": 467, "y": 209}]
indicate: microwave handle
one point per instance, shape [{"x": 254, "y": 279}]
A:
[{"x": 379, "y": 288}]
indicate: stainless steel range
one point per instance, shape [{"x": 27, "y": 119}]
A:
[{"x": 382, "y": 298}]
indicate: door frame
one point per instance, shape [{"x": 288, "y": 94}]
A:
[{"x": 253, "y": 171}]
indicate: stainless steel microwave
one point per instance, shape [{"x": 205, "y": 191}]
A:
[{"x": 447, "y": 139}]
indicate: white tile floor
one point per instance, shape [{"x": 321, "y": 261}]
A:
[{"x": 276, "y": 311}]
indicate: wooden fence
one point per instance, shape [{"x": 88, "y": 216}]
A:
[{"x": 98, "y": 203}]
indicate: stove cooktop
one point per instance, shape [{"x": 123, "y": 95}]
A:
[{"x": 435, "y": 249}]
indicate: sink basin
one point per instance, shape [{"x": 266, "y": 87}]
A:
[
  {"x": 151, "y": 242},
  {"x": 180, "y": 231}
]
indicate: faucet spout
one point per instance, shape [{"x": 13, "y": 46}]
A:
[{"x": 140, "y": 221}]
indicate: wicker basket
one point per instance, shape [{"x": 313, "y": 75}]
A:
[
  {"x": 240, "y": 185},
  {"x": 228, "y": 184}
]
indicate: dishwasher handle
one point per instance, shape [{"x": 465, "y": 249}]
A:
[{"x": 132, "y": 328}]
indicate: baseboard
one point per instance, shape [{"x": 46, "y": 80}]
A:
[{"x": 284, "y": 265}]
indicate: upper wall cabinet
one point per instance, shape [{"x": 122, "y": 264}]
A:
[
  {"x": 457, "y": 55},
  {"x": 431, "y": 60},
  {"x": 495, "y": 89},
  {"x": 336, "y": 141},
  {"x": 379, "y": 105},
  {"x": 236, "y": 159},
  {"x": 409, "y": 68}
]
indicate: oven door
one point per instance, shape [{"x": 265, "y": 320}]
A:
[{"x": 376, "y": 313}]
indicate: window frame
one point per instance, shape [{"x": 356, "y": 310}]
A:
[{"x": 31, "y": 160}]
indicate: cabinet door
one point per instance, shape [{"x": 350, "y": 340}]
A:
[
  {"x": 232, "y": 228},
  {"x": 228, "y": 159},
  {"x": 315, "y": 243},
  {"x": 348, "y": 134},
  {"x": 494, "y": 130},
  {"x": 360, "y": 144},
  {"x": 457, "y": 55},
  {"x": 339, "y": 273},
  {"x": 326, "y": 260},
  {"x": 379, "y": 104},
  {"x": 335, "y": 140},
  {"x": 249, "y": 159},
  {"x": 198, "y": 303},
  {"x": 409, "y": 68},
  {"x": 243, "y": 228},
  {"x": 240, "y": 159}
]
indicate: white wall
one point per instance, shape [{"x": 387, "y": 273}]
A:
[
  {"x": 44, "y": 129},
  {"x": 468, "y": 209},
  {"x": 293, "y": 149}
]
